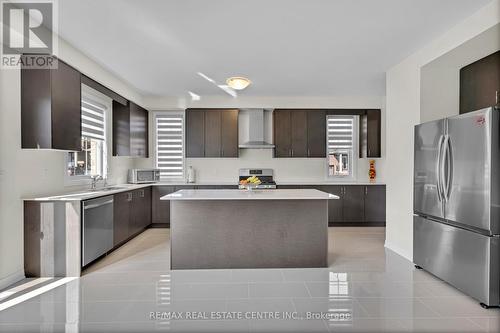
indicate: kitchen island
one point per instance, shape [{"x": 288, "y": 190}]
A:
[{"x": 248, "y": 229}]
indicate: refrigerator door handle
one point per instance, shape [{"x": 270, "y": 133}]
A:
[
  {"x": 445, "y": 168},
  {"x": 438, "y": 169},
  {"x": 449, "y": 167}
]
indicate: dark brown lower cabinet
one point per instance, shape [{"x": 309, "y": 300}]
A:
[
  {"x": 161, "y": 208},
  {"x": 357, "y": 204},
  {"x": 375, "y": 203},
  {"x": 141, "y": 210},
  {"x": 353, "y": 203},
  {"x": 335, "y": 210},
  {"x": 121, "y": 217},
  {"x": 131, "y": 213}
]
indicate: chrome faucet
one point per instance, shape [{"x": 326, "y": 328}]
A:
[{"x": 94, "y": 181}]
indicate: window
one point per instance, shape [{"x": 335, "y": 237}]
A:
[
  {"x": 170, "y": 145},
  {"x": 91, "y": 160},
  {"x": 341, "y": 146}
]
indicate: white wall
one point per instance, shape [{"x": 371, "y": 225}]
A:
[
  {"x": 285, "y": 169},
  {"x": 403, "y": 112},
  {"x": 32, "y": 172}
]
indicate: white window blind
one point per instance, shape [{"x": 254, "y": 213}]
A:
[
  {"x": 340, "y": 132},
  {"x": 93, "y": 123},
  {"x": 170, "y": 145}
]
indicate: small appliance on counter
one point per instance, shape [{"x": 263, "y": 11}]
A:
[
  {"x": 143, "y": 176},
  {"x": 261, "y": 179},
  {"x": 191, "y": 175}
]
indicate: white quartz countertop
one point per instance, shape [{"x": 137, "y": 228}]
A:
[
  {"x": 89, "y": 194},
  {"x": 288, "y": 194}
]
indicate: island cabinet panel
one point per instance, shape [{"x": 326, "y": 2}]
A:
[
  {"x": 121, "y": 217},
  {"x": 375, "y": 203},
  {"x": 130, "y": 130},
  {"x": 480, "y": 84},
  {"x": 212, "y": 133},
  {"x": 195, "y": 133},
  {"x": 316, "y": 134},
  {"x": 229, "y": 133},
  {"x": 161, "y": 208},
  {"x": 51, "y": 108}
]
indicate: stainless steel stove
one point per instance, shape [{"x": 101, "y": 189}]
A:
[{"x": 264, "y": 175}]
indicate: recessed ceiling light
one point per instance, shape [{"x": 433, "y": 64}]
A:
[{"x": 238, "y": 82}]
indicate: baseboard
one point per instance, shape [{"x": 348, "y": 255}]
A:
[
  {"x": 398, "y": 251},
  {"x": 11, "y": 279},
  {"x": 356, "y": 224},
  {"x": 159, "y": 225}
]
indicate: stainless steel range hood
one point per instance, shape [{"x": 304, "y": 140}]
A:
[{"x": 256, "y": 131}]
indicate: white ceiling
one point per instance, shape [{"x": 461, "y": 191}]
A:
[{"x": 286, "y": 47}]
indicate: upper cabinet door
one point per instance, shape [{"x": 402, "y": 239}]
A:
[
  {"x": 282, "y": 133},
  {"x": 213, "y": 133},
  {"x": 121, "y": 129},
  {"x": 195, "y": 133},
  {"x": 51, "y": 108},
  {"x": 66, "y": 108},
  {"x": 316, "y": 133},
  {"x": 138, "y": 131},
  {"x": 130, "y": 130},
  {"x": 229, "y": 133},
  {"x": 299, "y": 133},
  {"x": 480, "y": 84},
  {"x": 370, "y": 134}
]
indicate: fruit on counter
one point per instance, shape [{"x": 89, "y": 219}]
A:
[{"x": 250, "y": 180}]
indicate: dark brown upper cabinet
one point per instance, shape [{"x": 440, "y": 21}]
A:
[
  {"x": 316, "y": 134},
  {"x": 370, "y": 130},
  {"x": 212, "y": 133},
  {"x": 195, "y": 133},
  {"x": 480, "y": 84},
  {"x": 130, "y": 130},
  {"x": 51, "y": 108},
  {"x": 299, "y": 133},
  {"x": 282, "y": 132}
]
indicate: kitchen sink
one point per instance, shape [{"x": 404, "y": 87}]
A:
[{"x": 111, "y": 188}]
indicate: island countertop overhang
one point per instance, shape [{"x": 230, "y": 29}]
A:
[{"x": 268, "y": 194}]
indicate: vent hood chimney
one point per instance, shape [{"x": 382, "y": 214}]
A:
[{"x": 256, "y": 131}]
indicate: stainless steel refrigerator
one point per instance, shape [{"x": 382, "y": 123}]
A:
[{"x": 456, "y": 224}]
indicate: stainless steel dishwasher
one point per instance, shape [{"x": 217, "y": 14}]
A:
[{"x": 97, "y": 228}]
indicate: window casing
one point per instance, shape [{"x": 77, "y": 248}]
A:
[
  {"x": 169, "y": 157},
  {"x": 92, "y": 159},
  {"x": 342, "y": 147}
]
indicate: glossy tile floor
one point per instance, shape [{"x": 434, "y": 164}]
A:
[{"x": 366, "y": 289}]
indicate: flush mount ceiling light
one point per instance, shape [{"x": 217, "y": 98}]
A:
[{"x": 238, "y": 82}]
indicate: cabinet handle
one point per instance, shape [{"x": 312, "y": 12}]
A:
[
  {"x": 222, "y": 153},
  {"x": 308, "y": 152},
  {"x": 496, "y": 97},
  {"x": 292, "y": 152},
  {"x": 366, "y": 190},
  {"x": 141, "y": 193},
  {"x": 129, "y": 196}
]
